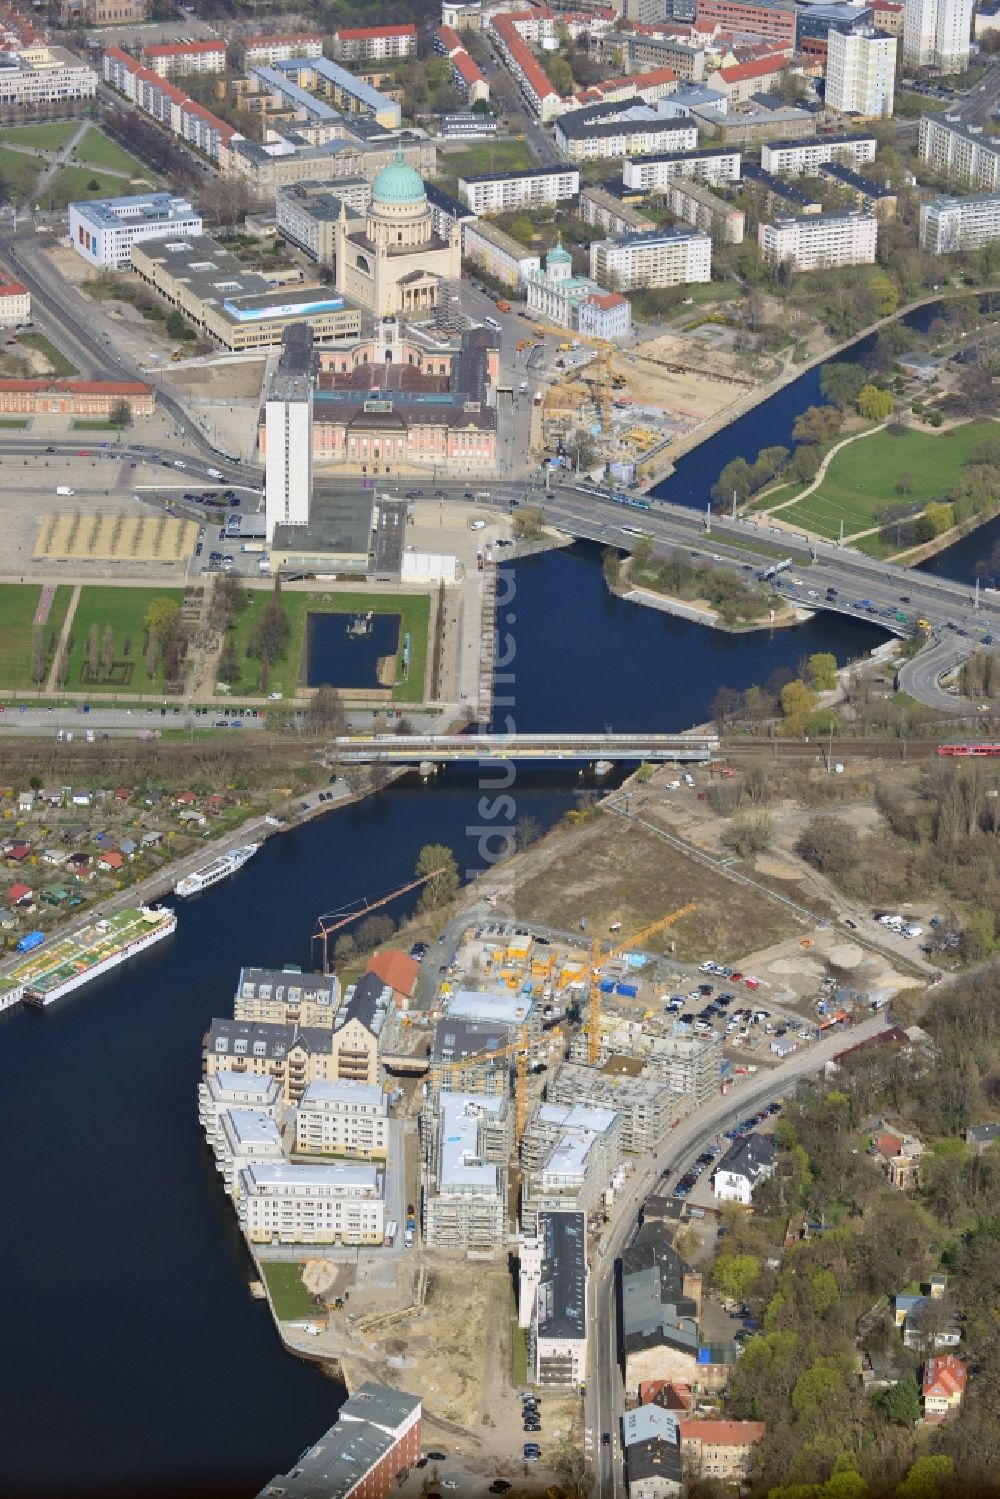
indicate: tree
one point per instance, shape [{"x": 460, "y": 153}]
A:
[
  {"x": 978, "y": 937},
  {"x": 830, "y": 846},
  {"x": 108, "y": 651},
  {"x": 228, "y": 670},
  {"x": 325, "y": 714},
  {"x": 642, "y": 551},
  {"x": 874, "y": 403},
  {"x": 817, "y": 424},
  {"x": 93, "y": 651},
  {"x": 152, "y": 656},
  {"x": 822, "y": 671},
  {"x": 937, "y": 517},
  {"x": 175, "y": 325},
  {"x": 804, "y": 464},
  {"x": 121, "y": 413},
  {"x": 841, "y": 383},
  {"x": 162, "y": 619},
  {"x": 527, "y": 830},
  {"x": 768, "y": 465},
  {"x": 736, "y": 478},
  {"x": 528, "y": 522},
  {"x": 927, "y": 1479},
  {"x": 560, "y": 75},
  {"x": 522, "y": 229},
  {"x": 735, "y": 1275},
  {"x": 37, "y": 654},
  {"x": 797, "y": 702},
  {"x": 901, "y": 1402},
  {"x": 269, "y": 637},
  {"x": 439, "y": 860},
  {"x": 749, "y": 833}
]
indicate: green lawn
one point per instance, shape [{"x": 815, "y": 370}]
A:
[
  {"x": 288, "y": 674},
  {"x": 39, "y": 137},
  {"x": 57, "y": 361},
  {"x": 18, "y": 174},
  {"x": 488, "y": 156},
  {"x": 290, "y": 1297},
  {"x": 97, "y": 151},
  {"x": 13, "y": 421},
  {"x": 74, "y": 183},
  {"x": 87, "y": 424},
  {"x": 18, "y": 603},
  {"x": 862, "y": 478},
  {"x": 124, "y": 609}
]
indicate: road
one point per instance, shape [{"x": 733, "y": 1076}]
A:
[{"x": 604, "y": 1403}]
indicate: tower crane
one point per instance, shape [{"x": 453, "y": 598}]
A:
[
  {"x": 597, "y": 958},
  {"x": 333, "y": 921},
  {"x": 520, "y": 1049}
]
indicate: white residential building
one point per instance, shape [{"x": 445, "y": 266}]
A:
[
  {"x": 341, "y": 1203},
  {"x": 288, "y": 419},
  {"x": 643, "y": 131},
  {"x": 797, "y": 158},
  {"x": 15, "y": 302},
  {"x": 937, "y": 34},
  {"x": 860, "y": 73},
  {"x": 509, "y": 192},
  {"x": 102, "y": 231},
  {"x": 44, "y": 75},
  {"x": 498, "y": 254},
  {"x": 744, "y": 1164},
  {"x": 175, "y": 59},
  {"x": 950, "y": 225},
  {"x": 347, "y": 1117},
  {"x": 279, "y": 48},
  {"x": 225, "y": 1090},
  {"x": 821, "y": 241},
  {"x": 468, "y": 1141},
  {"x": 670, "y": 257},
  {"x": 650, "y": 174},
  {"x": 552, "y": 1299},
  {"x": 690, "y": 1065},
  {"x": 245, "y": 1135},
  {"x": 962, "y": 153},
  {"x": 569, "y": 1156}
]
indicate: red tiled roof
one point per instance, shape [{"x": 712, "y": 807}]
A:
[
  {"x": 11, "y": 288},
  {"x": 884, "y": 5},
  {"x": 894, "y": 1035},
  {"x": 535, "y": 75},
  {"x": 605, "y": 300},
  {"x": 463, "y": 62},
  {"x": 760, "y": 67},
  {"x": 171, "y": 91},
  {"x": 945, "y": 1375},
  {"x": 83, "y": 387},
  {"x": 670, "y": 1394},
  {"x": 365, "y": 33},
  {"x": 18, "y": 892},
  {"x": 450, "y": 39},
  {"x": 181, "y": 49},
  {"x": 113, "y": 860},
  {"x": 395, "y": 968},
  {"x": 723, "y": 1433},
  {"x": 889, "y": 1146}
]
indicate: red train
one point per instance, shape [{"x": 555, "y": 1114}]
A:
[{"x": 979, "y": 750}]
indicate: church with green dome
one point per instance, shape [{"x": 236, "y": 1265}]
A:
[{"x": 392, "y": 262}]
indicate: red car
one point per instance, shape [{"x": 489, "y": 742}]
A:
[
  {"x": 84, "y": 453},
  {"x": 737, "y": 978}
]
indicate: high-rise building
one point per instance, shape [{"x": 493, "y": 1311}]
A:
[
  {"x": 288, "y": 419},
  {"x": 961, "y": 153},
  {"x": 860, "y": 73},
  {"x": 949, "y": 225},
  {"x": 820, "y": 242},
  {"x": 936, "y": 34}
]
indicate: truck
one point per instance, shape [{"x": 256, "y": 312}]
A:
[
  {"x": 502, "y": 306},
  {"x": 252, "y": 546},
  {"x": 64, "y": 489},
  {"x": 214, "y": 473},
  {"x": 390, "y": 1233},
  {"x": 30, "y": 940},
  {"x": 537, "y": 399}
]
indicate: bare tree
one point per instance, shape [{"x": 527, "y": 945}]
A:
[
  {"x": 108, "y": 650},
  {"x": 93, "y": 651},
  {"x": 37, "y": 654}
]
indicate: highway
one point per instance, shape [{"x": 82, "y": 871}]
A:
[{"x": 604, "y": 1404}]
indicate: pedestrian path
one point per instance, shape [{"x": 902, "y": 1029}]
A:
[{"x": 63, "y": 642}]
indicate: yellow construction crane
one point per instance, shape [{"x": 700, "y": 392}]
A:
[
  {"x": 521, "y": 1047},
  {"x": 327, "y": 925},
  {"x": 597, "y": 958}
]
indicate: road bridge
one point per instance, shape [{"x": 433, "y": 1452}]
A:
[{"x": 439, "y": 749}]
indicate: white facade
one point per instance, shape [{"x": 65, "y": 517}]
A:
[
  {"x": 528, "y": 189},
  {"x": 798, "y": 158},
  {"x": 552, "y": 1299},
  {"x": 861, "y": 73},
  {"x": 193, "y": 57},
  {"x": 604, "y": 141},
  {"x": 244, "y": 1135},
  {"x": 227, "y": 1090},
  {"x": 960, "y": 152},
  {"x": 102, "y": 231},
  {"x": 45, "y": 75},
  {"x": 15, "y": 303},
  {"x": 653, "y": 173},
  {"x": 500, "y": 256},
  {"x": 272, "y": 49},
  {"x": 820, "y": 242},
  {"x": 936, "y": 34},
  {"x": 468, "y": 1146},
  {"x": 349, "y": 1118},
  {"x": 288, "y": 419},
  {"x": 668, "y": 257},
  {"x": 336, "y": 1204},
  {"x": 950, "y": 225}
]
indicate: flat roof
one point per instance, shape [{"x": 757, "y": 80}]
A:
[
  {"x": 344, "y": 1091},
  {"x": 460, "y": 1162},
  {"x": 562, "y": 1290},
  {"x": 648, "y": 1421},
  {"x": 336, "y": 1174},
  {"x": 490, "y": 1006},
  {"x": 380, "y": 1404},
  {"x": 339, "y": 523},
  {"x": 226, "y": 1082},
  {"x": 559, "y": 170},
  {"x": 250, "y": 1127},
  {"x": 147, "y": 208}
]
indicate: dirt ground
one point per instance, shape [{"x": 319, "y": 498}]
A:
[
  {"x": 239, "y": 380},
  {"x": 698, "y": 390}
]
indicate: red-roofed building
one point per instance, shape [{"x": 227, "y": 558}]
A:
[
  {"x": 74, "y": 397},
  {"x": 19, "y": 852},
  {"x": 465, "y": 74},
  {"x": 168, "y": 104},
  {"x": 171, "y": 60},
  {"x": 513, "y": 30},
  {"x": 719, "y": 1449},
  {"x": 894, "y": 1035},
  {"x": 943, "y": 1387},
  {"x": 112, "y": 860},
  {"x": 15, "y": 302},
  {"x": 887, "y": 16},
  {"x": 740, "y": 83},
  {"x": 20, "y": 895},
  {"x": 604, "y": 315},
  {"x": 672, "y": 1395},
  {"x": 399, "y": 971},
  {"x": 374, "y": 43},
  {"x": 280, "y": 47}
]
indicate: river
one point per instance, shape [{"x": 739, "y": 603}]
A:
[{"x": 134, "y": 1357}]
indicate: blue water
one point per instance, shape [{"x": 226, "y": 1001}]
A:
[{"x": 336, "y": 659}]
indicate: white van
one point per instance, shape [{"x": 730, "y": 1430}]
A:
[
  {"x": 477, "y": 525},
  {"x": 688, "y": 778},
  {"x": 214, "y": 473}
]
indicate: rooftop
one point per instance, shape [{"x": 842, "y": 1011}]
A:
[
  {"x": 496, "y": 1007},
  {"x": 364, "y": 1095},
  {"x": 461, "y": 1164},
  {"x": 264, "y": 1174},
  {"x": 558, "y": 170},
  {"x": 249, "y": 1127},
  {"x": 562, "y": 1290},
  {"x": 150, "y": 208}
]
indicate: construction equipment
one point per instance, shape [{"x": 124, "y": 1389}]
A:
[
  {"x": 597, "y": 958},
  {"x": 520, "y": 1048},
  {"x": 326, "y": 926}
]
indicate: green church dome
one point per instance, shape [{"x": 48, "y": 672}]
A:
[
  {"x": 557, "y": 255},
  {"x": 398, "y": 183}
]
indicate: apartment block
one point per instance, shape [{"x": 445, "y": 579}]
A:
[
  {"x": 281, "y": 162},
  {"x": 466, "y": 75},
  {"x": 670, "y": 257},
  {"x": 286, "y": 996},
  {"x": 223, "y": 1090},
  {"x": 498, "y": 254},
  {"x": 643, "y": 132},
  {"x": 647, "y": 1106},
  {"x": 347, "y": 1118},
  {"x": 281, "y": 46},
  {"x": 292, "y": 1055},
  {"x": 244, "y": 1135},
  {"x": 686, "y": 58},
  {"x": 699, "y": 206},
  {"x": 962, "y": 153},
  {"x": 818, "y": 243},
  {"x": 951, "y": 225},
  {"x": 42, "y": 75},
  {"x": 467, "y": 1143},
  {"x": 722, "y": 1450},
  {"x": 797, "y": 158},
  {"x": 689, "y": 1065},
  {"x": 307, "y": 212},
  {"x": 374, "y": 43},
  {"x": 873, "y": 197},
  {"x": 102, "y": 231},
  {"x": 650, "y": 174},
  {"x": 569, "y": 1156},
  {"x": 510, "y": 192},
  {"x": 937, "y": 34},
  {"x": 278, "y": 1203},
  {"x": 861, "y": 73},
  {"x": 172, "y": 60},
  {"x": 552, "y": 1299},
  {"x": 767, "y": 20},
  {"x": 512, "y": 32},
  {"x": 165, "y": 102},
  {"x": 607, "y": 212},
  {"x": 359, "y": 1024},
  {"x": 375, "y": 1438}
]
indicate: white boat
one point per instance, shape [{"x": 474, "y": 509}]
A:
[
  {"x": 219, "y": 869},
  {"x": 74, "y": 961}
]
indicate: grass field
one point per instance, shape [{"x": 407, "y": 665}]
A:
[
  {"x": 18, "y": 174},
  {"x": 39, "y": 137},
  {"x": 489, "y": 156},
  {"x": 290, "y": 1297},
  {"x": 18, "y": 603},
  {"x": 58, "y": 363},
  {"x": 87, "y": 424},
  {"x": 13, "y": 421},
  {"x": 73, "y": 183},
  {"x": 124, "y": 609},
  {"x": 862, "y": 478},
  {"x": 288, "y": 674},
  {"x": 96, "y": 150}
]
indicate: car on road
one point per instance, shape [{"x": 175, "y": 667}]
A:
[
  {"x": 419, "y": 951},
  {"x": 605, "y": 1439},
  {"x": 50, "y": 449},
  {"x": 221, "y": 723},
  {"x": 449, "y": 1483},
  {"x": 438, "y": 1457}
]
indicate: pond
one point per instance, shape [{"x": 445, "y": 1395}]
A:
[{"x": 337, "y": 658}]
